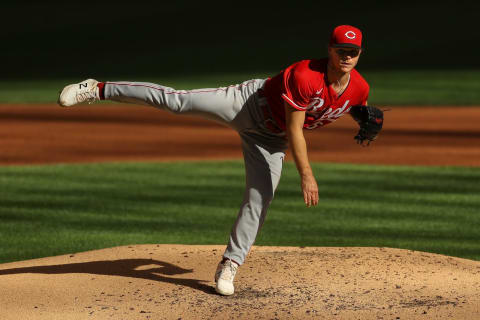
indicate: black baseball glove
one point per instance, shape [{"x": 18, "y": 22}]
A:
[{"x": 370, "y": 120}]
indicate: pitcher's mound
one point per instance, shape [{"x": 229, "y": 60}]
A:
[{"x": 176, "y": 282}]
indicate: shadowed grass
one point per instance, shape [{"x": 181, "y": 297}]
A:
[{"x": 50, "y": 210}]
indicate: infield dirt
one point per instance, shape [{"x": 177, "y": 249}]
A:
[
  {"x": 176, "y": 282},
  {"x": 49, "y": 134}
]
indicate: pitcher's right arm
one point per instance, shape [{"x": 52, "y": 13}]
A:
[{"x": 294, "y": 126}]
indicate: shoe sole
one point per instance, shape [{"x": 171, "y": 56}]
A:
[{"x": 224, "y": 293}]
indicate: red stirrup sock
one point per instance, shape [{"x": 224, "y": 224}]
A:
[{"x": 101, "y": 90}]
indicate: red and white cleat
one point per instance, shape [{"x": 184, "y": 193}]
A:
[{"x": 85, "y": 91}]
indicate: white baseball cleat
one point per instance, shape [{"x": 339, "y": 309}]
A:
[
  {"x": 224, "y": 277},
  {"x": 85, "y": 91}
]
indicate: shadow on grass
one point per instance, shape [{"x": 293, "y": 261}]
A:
[{"x": 123, "y": 268}]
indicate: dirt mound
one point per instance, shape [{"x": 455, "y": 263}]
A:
[{"x": 176, "y": 282}]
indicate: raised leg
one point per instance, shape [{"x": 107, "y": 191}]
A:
[{"x": 219, "y": 104}]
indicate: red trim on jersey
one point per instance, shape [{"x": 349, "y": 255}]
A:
[{"x": 293, "y": 104}]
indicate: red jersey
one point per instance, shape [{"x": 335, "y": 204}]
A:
[{"x": 304, "y": 86}]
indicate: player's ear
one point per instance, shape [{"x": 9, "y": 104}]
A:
[{"x": 329, "y": 48}]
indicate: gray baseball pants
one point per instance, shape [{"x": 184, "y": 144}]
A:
[{"x": 239, "y": 107}]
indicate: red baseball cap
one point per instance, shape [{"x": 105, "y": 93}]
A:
[{"x": 346, "y": 36}]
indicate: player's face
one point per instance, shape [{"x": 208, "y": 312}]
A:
[{"x": 344, "y": 59}]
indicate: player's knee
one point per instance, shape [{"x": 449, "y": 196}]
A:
[
  {"x": 175, "y": 110},
  {"x": 257, "y": 200},
  {"x": 176, "y": 107}
]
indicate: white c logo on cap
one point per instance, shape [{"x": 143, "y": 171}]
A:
[{"x": 350, "y": 35}]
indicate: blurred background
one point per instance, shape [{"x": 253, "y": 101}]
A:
[
  {"x": 412, "y": 48},
  {"x": 147, "y": 40}
]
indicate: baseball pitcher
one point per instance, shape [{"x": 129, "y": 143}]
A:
[{"x": 269, "y": 115}]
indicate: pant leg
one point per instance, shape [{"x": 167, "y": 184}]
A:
[
  {"x": 263, "y": 169},
  {"x": 228, "y": 105},
  {"x": 238, "y": 107}
]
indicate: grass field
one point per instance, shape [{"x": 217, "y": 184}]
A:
[
  {"x": 407, "y": 87},
  {"x": 49, "y": 210},
  {"x": 57, "y": 209}
]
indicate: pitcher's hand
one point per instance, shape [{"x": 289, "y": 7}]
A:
[{"x": 310, "y": 190}]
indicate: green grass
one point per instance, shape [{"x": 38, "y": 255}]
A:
[
  {"x": 58, "y": 209},
  {"x": 408, "y": 87},
  {"x": 427, "y": 87}
]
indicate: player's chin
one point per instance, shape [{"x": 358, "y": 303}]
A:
[{"x": 346, "y": 67}]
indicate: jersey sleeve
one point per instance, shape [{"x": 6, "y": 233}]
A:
[{"x": 296, "y": 91}]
